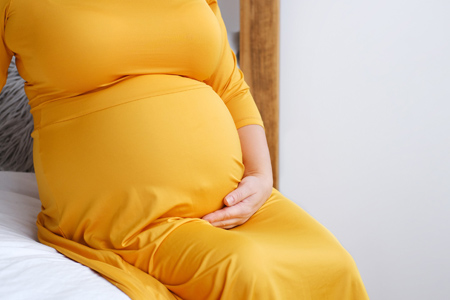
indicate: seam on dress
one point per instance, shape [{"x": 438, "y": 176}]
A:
[
  {"x": 115, "y": 105},
  {"x": 42, "y": 104},
  {"x": 249, "y": 121}
]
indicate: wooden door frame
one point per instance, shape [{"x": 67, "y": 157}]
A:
[{"x": 259, "y": 61}]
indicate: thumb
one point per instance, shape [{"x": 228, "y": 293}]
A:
[{"x": 240, "y": 193}]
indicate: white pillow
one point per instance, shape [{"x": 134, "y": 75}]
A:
[{"x": 29, "y": 269}]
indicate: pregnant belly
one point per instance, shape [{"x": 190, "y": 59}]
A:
[{"x": 169, "y": 155}]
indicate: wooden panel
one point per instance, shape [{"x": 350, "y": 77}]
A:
[{"x": 259, "y": 61}]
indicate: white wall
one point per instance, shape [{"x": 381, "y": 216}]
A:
[{"x": 365, "y": 134}]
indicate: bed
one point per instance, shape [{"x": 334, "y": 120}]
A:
[{"x": 31, "y": 270}]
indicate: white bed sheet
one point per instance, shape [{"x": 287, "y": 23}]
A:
[{"x": 29, "y": 269}]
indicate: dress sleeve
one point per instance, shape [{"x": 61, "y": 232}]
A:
[
  {"x": 5, "y": 53},
  {"x": 228, "y": 81}
]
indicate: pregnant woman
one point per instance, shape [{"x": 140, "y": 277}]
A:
[{"x": 151, "y": 158}]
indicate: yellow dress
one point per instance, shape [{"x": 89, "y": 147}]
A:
[{"x": 136, "y": 108}]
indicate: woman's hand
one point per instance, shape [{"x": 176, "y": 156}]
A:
[
  {"x": 255, "y": 186},
  {"x": 242, "y": 203}
]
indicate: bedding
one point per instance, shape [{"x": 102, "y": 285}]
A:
[{"x": 29, "y": 269}]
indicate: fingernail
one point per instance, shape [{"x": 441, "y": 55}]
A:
[{"x": 229, "y": 200}]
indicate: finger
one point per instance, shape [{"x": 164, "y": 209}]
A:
[
  {"x": 228, "y": 224},
  {"x": 226, "y": 213},
  {"x": 217, "y": 216},
  {"x": 240, "y": 193},
  {"x": 240, "y": 210}
]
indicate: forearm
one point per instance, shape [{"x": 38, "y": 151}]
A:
[{"x": 255, "y": 152}]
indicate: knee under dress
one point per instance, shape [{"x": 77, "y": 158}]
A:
[{"x": 136, "y": 107}]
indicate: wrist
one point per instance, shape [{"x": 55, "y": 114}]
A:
[{"x": 265, "y": 177}]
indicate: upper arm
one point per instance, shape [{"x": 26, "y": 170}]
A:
[{"x": 5, "y": 53}]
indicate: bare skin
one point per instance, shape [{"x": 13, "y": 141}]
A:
[{"x": 255, "y": 186}]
